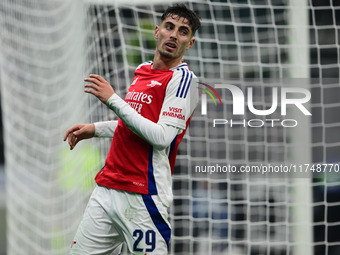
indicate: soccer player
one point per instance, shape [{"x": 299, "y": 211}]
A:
[{"x": 133, "y": 191}]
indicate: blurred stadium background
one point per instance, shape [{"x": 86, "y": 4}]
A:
[{"x": 43, "y": 60}]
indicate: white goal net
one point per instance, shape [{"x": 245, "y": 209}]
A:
[{"x": 267, "y": 47}]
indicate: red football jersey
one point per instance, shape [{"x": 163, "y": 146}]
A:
[{"x": 162, "y": 96}]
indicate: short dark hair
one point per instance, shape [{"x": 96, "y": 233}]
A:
[{"x": 182, "y": 11}]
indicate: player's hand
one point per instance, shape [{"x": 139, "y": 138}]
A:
[
  {"x": 77, "y": 133},
  {"x": 99, "y": 87}
]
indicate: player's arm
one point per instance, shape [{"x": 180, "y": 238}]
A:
[
  {"x": 158, "y": 135},
  {"x": 105, "y": 129},
  {"x": 79, "y": 132}
]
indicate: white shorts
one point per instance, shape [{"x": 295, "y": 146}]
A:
[{"x": 114, "y": 216}]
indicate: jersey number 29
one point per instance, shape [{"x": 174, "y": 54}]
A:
[{"x": 150, "y": 240}]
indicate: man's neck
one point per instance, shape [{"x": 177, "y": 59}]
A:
[{"x": 161, "y": 63}]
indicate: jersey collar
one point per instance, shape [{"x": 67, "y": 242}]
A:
[{"x": 182, "y": 65}]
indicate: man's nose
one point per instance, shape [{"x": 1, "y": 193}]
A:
[{"x": 173, "y": 35}]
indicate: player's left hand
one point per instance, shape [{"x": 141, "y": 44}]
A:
[
  {"x": 79, "y": 132},
  {"x": 99, "y": 87}
]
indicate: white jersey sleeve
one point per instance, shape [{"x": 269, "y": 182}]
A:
[
  {"x": 158, "y": 135},
  {"x": 180, "y": 100},
  {"x": 105, "y": 129}
]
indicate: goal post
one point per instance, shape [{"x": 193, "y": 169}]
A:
[
  {"x": 48, "y": 47},
  {"x": 302, "y": 223}
]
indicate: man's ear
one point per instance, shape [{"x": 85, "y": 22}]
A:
[
  {"x": 156, "y": 32},
  {"x": 191, "y": 43}
]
